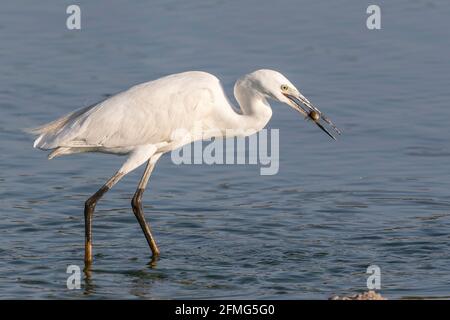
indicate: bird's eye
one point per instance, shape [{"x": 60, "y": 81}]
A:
[{"x": 284, "y": 87}]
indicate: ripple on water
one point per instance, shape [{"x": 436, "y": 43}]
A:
[{"x": 379, "y": 195}]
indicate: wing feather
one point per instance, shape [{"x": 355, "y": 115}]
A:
[{"x": 147, "y": 113}]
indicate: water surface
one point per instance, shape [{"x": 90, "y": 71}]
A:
[{"x": 380, "y": 195}]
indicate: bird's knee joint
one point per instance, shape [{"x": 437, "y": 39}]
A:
[
  {"x": 136, "y": 202},
  {"x": 90, "y": 204}
]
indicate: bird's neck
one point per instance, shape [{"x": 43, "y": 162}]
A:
[{"x": 255, "y": 111}]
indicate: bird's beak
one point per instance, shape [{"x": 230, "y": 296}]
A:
[{"x": 302, "y": 105}]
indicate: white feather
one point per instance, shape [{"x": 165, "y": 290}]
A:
[{"x": 145, "y": 119}]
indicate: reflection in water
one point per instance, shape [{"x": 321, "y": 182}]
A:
[
  {"x": 153, "y": 262},
  {"x": 141, "y": 282},
  {"x": 89, "y": 287}
]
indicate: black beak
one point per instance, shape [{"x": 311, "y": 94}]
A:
[
  {"x": 311, "y": 112},
  {"x": 324, "y": 129}
]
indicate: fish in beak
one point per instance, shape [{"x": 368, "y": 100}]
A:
[{"x": 302, "y": 105}]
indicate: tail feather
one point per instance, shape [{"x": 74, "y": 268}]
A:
[
  {"x": 57, "y": 124},
  {"x": 51, "y": 129},
  {"x": 58, "y": 152}
]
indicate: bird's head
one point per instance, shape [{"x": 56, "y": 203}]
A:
[{"x": 274, "y": 85}]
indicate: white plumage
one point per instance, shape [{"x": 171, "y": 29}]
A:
[{"x": 155, "y": 117}]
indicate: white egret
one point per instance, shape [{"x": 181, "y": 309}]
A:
[{"x": 144, "y": 122}]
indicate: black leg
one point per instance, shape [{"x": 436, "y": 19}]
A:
[
  {"x": 136, "y": 204},
  {"x": 89, "y": 208}
]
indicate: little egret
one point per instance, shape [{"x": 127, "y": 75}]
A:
[{"x": 144, "y": 122}]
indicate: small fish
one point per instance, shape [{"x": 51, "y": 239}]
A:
[{"x": 314, "y": 115}]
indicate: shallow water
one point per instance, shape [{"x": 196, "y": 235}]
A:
[{"x": 380, "y": 195}]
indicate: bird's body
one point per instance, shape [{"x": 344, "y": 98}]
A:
[
  {"x": 155, "y": 117},
  {"x": 149, "y": 115}
]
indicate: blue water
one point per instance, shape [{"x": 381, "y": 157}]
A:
[{"x": 379, "y": 195}]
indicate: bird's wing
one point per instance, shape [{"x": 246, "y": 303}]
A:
[{"x": 144, "y": 114}]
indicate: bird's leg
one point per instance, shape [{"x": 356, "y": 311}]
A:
[
  {"x": 136, "y": 204},
  {"x": 89, "y": 207}
]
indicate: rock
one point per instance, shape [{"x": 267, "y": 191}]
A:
[{"x": 369, "y": 295}]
